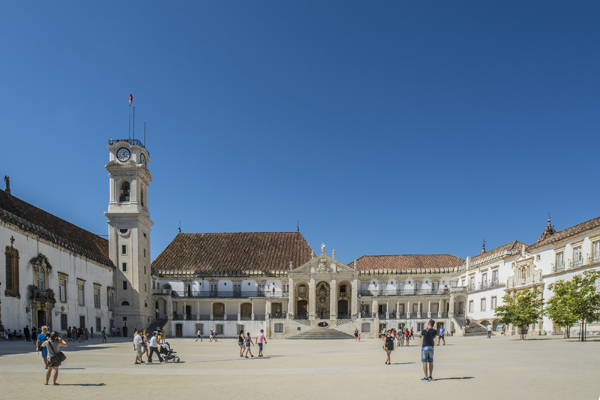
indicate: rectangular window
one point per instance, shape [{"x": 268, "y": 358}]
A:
[
  {"x": 144, "y": 270},
  {"x": 96, "y": 296},
  {"x": 63, "y": 322},
  {"x": 365, "y": 327},
  {"x": 124, "y": 285},
  {"x": 471, "y": 306},
  {"x": 62, "y": 290},
  {"x": 144, "y": 252},
  {"x": 472, "y": 283},
  {"x": 302, "y": 289},
  {"x": 560, "y": 261},
  {"x": 9, "y": 271},
  {"x": 98, "y": 325},
  {"x": 483, "y": 304},
  {"x": 577, "y": 257},
  {"x": 123, "y": 249},
  {"x": 278, "y": 328},
  {"x": 145, "y": 288},
  {"x": 110, "y": 295},
  {"x": 81, "y": 293},
  {"x": 41, "y": 280},
  {"x": 538, "y": 258},
  {"x": 495, "y": 278},
  {"x": 219, "y": 329},
  {"x": 453, "y": 283},
  {"x": 494, "y": 303},
  {"x": 82, "y": 321},
  {"x": 124, "y": 265},
  {"x": 420, "y": 326}
]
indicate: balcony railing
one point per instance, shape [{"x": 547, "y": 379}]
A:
[
  {"x": 133, "y": 142},
  {"x": 403, "y": 292},
  {"x": 488, "y": 284},
  {"x": 44, "y": 295},
  {"x": 227, "y": 294}
]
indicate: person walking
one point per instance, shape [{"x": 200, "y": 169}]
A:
[
  {"x": 137, "y": 346},
  {"x": 41, "y": 338},
  {"x": 428, "y": 336},
  {"x": 407, "y": 337},
  {"x": 241, "y": 340},
  {"x": 145, "y": 345},
  {"x": 389, "y": 346},
  {"x": 503, "y": 330},
  {"x": 154, "y": 348},
  {"x": 248, "y": 343},
  {"x": 412, "y": 333},
  {"x": 53, "y": 345},
  {"x": 260, "y": 338},
  {"x": 356, "y": 335},
  {"x": 489, "y": 329},
  {"x": 27, "y": 333},
  {"x": 199, "y": 335},
  {"x": 441, "y": 335},
  {"x": 92, "y": 332},
  {"x": 104, "y": 337}
]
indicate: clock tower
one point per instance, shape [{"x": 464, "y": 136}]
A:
[{"x": 129, "y": 233}]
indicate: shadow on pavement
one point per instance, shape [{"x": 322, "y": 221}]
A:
[
  {"x": 454, "y": 378},
  {"x": 403, "y": 363},
  {"x": 82, "y": 384}
]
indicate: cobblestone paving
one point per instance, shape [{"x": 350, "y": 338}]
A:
[{"x": 466, "y": 368}]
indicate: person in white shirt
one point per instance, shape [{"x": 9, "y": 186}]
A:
[
  {"x": 198, "y": 335},
  {"x": 154, "y": 348},
  {"x": 137, "y": 346},
  {"x": 489, "y": 328}
]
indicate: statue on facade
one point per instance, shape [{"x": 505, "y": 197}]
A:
[
  {"x": 323, "y": 268},
  {"x": 323, "y": 248},
  {"x": 333, "y": 253}
]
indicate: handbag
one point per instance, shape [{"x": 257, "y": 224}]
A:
[{"x": 60, "y": 356}]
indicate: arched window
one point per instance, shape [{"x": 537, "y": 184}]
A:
[
  {"x": 125, "y": 190},
  {"x": 166, "y": 286},
  {"x": 125, "y": 303}
]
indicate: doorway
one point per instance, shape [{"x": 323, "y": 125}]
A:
[
  {"x": 188, "y": 312},
  {"x": 178, "y": 330},
  {"x": 302, "y": 307},
  {"x": 342, "y": 308},
  {"x": 41, "y": 317}
]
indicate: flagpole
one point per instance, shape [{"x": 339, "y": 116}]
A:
[
  {"x": 129, "y": 122},
  {"x": 133, "y": 122}
]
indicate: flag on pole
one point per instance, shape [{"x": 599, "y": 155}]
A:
[{"x": 130, "y": 98}]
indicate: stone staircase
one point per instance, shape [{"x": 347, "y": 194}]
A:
[
  {"x": 159, "y": 323},
  {"x": 322, "y": 334},
  {"x": 475, "y": 329}
]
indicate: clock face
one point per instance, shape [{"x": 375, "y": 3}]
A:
[
  {"x": 123, "y": 154},
  {"x": 143, "y": 160}
]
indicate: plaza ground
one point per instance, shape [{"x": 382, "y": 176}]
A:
[{"x": 466, "y": 368}]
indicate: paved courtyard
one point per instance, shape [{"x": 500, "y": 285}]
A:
[{"x": 466, "y": 368}]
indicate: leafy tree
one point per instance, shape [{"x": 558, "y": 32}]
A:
[
  {"x": 521, "y": 310},
  {"x": 576, "y": 300}
]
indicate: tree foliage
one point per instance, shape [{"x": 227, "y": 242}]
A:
[
  {"x": 575, "y": 300},
  {"x": 522, "y": 309}
]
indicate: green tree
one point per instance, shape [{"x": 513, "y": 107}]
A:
[
  {"x": 576, "y": 300},
  {"x": 521, "y": 310}
]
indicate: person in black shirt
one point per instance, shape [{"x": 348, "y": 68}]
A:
[
  {"x": 389, "y": 346},
  {"x": 428, "y": 336}
]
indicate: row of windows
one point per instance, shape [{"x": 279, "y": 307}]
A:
[
  {"x": 483, "y": 304},
  {"x": 62, "y": 294}
]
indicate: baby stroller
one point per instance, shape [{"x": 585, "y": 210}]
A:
[{"x": 168, "y": 354}]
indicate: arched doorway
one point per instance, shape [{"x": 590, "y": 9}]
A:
[
  {"x": 301, "y": 292},
  {"x": 323, "y": 292},
  {"x": 218, "y": 311},
  {"x": 246, "y": 311}
]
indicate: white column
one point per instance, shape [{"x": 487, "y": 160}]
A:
[
  {"x": 252, "y": 316},
  {"x": 387, "y": 310},
  {"x": 440, "y": 308},
  {"x": 184, "y": 311},
  {"x": 355, "y": 309},
  {"x": 312, "y": 298},
  {"x": 292, "y": 298},
  {"x": 267, "y": 309},
  {"x": 333, "y": 299},
  {"x": 419, "y": 309},
  {"x": 429, "y": 310},
  {"x": 407, "y": 308},
  {"x": 239, "y": 310},
  {"x": 451, "y": 308}
]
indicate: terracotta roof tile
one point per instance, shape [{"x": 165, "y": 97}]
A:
[
  {"x": 565, "y": 233},
  {"x": 404, "y": 262},
  {"x": 239, "y": 251},
  {"x": 497, "y": 252},
  {"x": 28, "y": 217}
]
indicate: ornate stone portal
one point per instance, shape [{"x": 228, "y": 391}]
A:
[{"x": 323, "y": 292}]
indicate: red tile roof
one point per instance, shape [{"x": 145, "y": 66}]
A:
[
  {"x": 498, "y": 251},
  {"x": 239, "y": 251},
  {"x": 404, "y": 262},
  {"x": 30, "y": 218},
  {"x": 565, "y": 233}
]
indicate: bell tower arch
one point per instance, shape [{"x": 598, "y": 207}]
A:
[{"x": 129, "y": 232}]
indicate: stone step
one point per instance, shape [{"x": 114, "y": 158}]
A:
[{"x": 322, "y": 334}]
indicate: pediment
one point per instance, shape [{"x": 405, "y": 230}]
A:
[{"x": 323, "y": 264}]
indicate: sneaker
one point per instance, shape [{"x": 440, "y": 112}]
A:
[
  {"x": 425, "y": 379},
  {"x": 430, "y": 378}
]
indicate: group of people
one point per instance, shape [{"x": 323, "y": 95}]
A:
[
  {"x": 144, "y": 343},
  {"x": 245, "y": 341},
  {"x": 427, "y": 348}
]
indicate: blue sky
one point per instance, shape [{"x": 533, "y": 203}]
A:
[{"x": 383, "y": 127}]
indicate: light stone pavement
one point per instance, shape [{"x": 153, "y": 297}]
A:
[{"x": 466, "y": 368}]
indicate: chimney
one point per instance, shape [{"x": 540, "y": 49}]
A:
[{"x": 7, "y": 181}]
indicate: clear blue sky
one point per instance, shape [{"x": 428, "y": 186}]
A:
[{"x": 384, "y": 127}]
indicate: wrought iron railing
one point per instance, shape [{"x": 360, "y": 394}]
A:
[
  {"x": 365, "y": 314},
  {"x": 300, "y": 316},
  {"x": 232, "y": 317},
  {"x": 259, "y": 317},
  {"x": 277, "y": 315},
  {"x": 133, "y": 142},
  {"x": 403, "y": 292},
  {"x": 204, "y": 317},
  {"x": 218, "y": 317},
  {"x": 44, "y": 295},
  {"x": 228, "y": 294}
]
